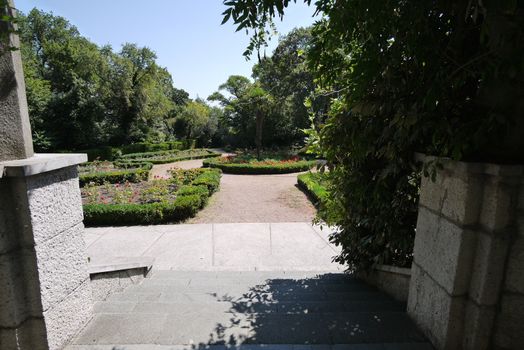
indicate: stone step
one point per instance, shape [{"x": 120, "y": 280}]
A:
[
  {"x": 291, "y": 307},
  {"x": 206, "y": 286},
  {"x": 388, "y": 346},
  {"x": 189, "y": 297},
  {"x": 334, "y": 277},
  {"x": 215, "y": 327}
]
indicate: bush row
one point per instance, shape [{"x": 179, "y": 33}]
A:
[
  {"x": 153, "y": 147},
  {"x": 247, "y": 168},
  {"x": 190, "y": 199},
  {"x": 311, "y": 184},
  {"x": 112, "y": 153},
  {"x": 163, "y": 157},
  {"x": 140, "y": 172}
]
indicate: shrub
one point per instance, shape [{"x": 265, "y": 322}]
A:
[
  {"x": 313, "y": 185},
  {"x": 260, "y": 168},
  {"x": 181, "y": 208},
  {"x": 171, "y": 156},
  {"x": 102, "y": 153},
  {"x": 189, "y": 199},
  {"x": 152, "y": 147},
  {"x": 140, "y": 172},
  {"x": 211, "y": 179}
]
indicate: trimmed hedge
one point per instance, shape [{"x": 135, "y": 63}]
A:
[
  {"x": 112, "y": 153},
  {"x": 258, "y": 169},
  {"x": 181, "y": 208},
  {"x": 190, "y": 199},
  {"x": 102, "y": 153},
  {"x": 176, "y": 156},
  {"x": 311, "y": 184},
  {"x": 139, "y": 172},
  {"x": 142, "y": 147}
]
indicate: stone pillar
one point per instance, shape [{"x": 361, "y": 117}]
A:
[
  {"x": 45, "y": 296},
  {"x": 15, "y": 130},
  {"x": 466, "y": 286}
]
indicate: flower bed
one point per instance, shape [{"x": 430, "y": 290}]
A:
[
  {"x": 171, "y": 156},
  {"x": 248, "y": 164},
  {"x": 113, "y": 172},
  {"x": 152, "y": 202}
]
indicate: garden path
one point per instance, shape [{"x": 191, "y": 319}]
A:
[
  {"x": 257, "y": 198},
  {"x": 162, "y": 170}
]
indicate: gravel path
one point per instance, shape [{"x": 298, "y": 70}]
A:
[
  {"x": 249, "y": 198},
  {"x": 162, "y": 170},
  {"x": 257, "y": 198}
]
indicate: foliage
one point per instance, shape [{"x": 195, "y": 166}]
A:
[
  {"x": 92, "y": 174},
  {"x": 162, "y": 201},
  {"x": 152, "y": 147},
  {"x": 196, "y": 120},
  {"x": 81, "y": 95},
  {"x": 102, "y": 153},
  {"x": 246, "y": 108},
  {"x": 314, "y": 185},
  {"x": 162, "y": 157},
  {"x": 251, "y": 165},
  {"x": 286, "y": 76},
  {"x": 440, "y": 77},
  {"x": 182, "y": 208}
]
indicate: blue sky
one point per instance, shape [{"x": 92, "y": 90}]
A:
[{"x": 186, "y": 35}]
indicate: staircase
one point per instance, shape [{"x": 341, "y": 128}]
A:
[{"x": 248, "y": 310}]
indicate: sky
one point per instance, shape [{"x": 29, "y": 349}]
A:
[{"x": 186, "y": 35}]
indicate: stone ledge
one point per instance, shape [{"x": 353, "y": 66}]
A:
[
  {"x": 493, "y": 169},
  {"x": 40, "y": 163}
]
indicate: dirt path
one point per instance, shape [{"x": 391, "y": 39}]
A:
[{"x": 257, "y": 198}]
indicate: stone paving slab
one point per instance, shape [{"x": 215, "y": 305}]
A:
[
  {"x": 390, "y": 346},
  {"x": 264, "y": 309},
  {"x": 218, "y": 247}
]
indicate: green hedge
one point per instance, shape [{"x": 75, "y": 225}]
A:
[
  {"x": 312, "y": 185},
  {"x": 254, "y": 169},
  {"x": 102, "y": 153},
  {"x": 152, "y": 147},
  {"x": 190, "y": 199},
  {"x": 112, "y": 153},
  {"x": 181, "y": 208},
  {"x": 172, "y": 156},
  {"x": 140, "y": 172}
]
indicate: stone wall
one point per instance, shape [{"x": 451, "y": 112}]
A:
[
  {"x": 509, "y": 332},
  {"x": 43, "y": 261},
  {"x": 466, "y": 247},
  {"x": 392, "y": 280}
]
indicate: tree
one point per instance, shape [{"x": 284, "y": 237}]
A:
[
  {"x": 439, "y": 77},
  {"x": 81, "y": 95},
  {"x": 245, "y": 109},
  {"x": 289, "y": 80}
]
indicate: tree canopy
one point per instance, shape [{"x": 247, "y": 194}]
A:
[
  {"x": 439, "y": 77},
  {"x": 81, "y": 95}
]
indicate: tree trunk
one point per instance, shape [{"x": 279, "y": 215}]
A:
[{"x": 258, "y": 135}]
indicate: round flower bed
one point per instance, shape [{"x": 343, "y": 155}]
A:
[{"x": 249, "y": 164}]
